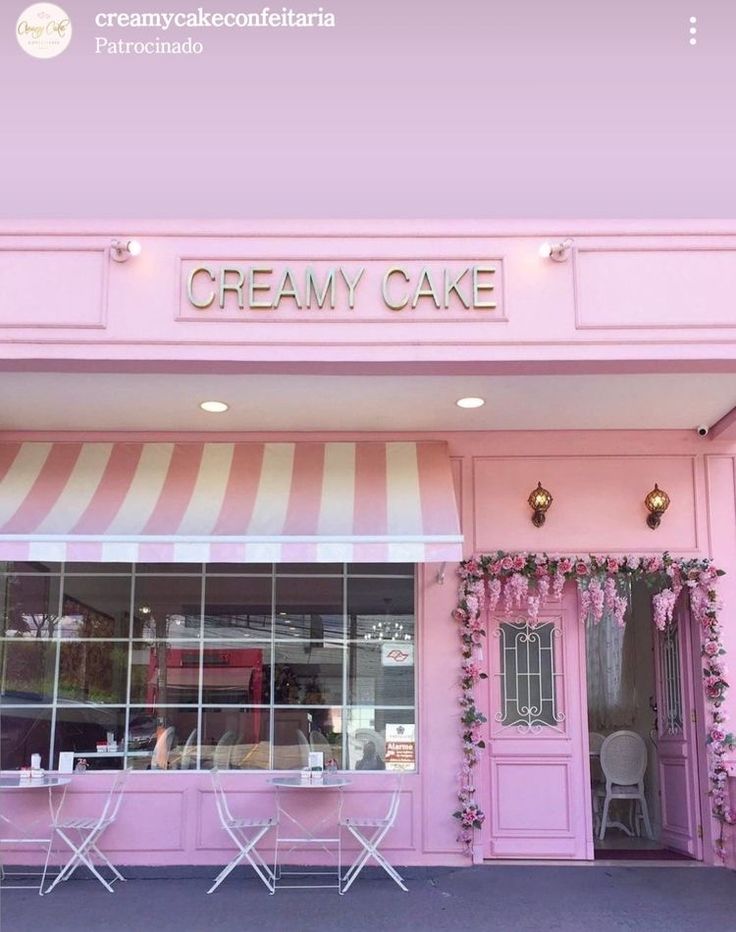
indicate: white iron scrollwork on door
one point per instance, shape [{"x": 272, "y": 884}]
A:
[
  {"x": 669, "y": 658},
  {"x": 528, "y": 677}
]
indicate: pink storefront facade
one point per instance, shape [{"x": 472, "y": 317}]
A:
[{"x": 596, "y": 371}]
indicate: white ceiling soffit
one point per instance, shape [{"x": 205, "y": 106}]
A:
[{"x": 113, "y": 401}]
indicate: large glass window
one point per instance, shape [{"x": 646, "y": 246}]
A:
[{"x": 249, "y": 666}]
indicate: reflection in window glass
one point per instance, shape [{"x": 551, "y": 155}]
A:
[
  {"x": 298, "y": 731},
  {"x": 84, "y": 729},
  {"x": 29, "y": 606},
  {"x": 24, "y": 731},
  {"x": 309, "y": 607},
  {"x": 307, "y": 673},
  {"x": 167, "y": 607},
  {"x": 237, "y": 607},
  {"x": 235, "y": 738},
  {"x": 96, "y": 607},
  {"x": 93, "y": 671},
  {"x": 381, "y": 674},
  {"x": 262, "y": 662},
  {"x": 381, "y": 609},
  {"x": 381, "y": 739},
  {"x": 27, "y": 670}
]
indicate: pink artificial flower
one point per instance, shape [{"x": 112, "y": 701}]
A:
[
  {"x": 541, "y": 571},
  {"x": 519, "y": 562},
  {"x": 713, "y": 692},
  {"x": 507, "y": 563},
  {"x": 612, "y": 565},
  {"x": 496, "y": 568},
  {"x": 565, "y": 565},
  {"x": 717, "y": 734},
  {"x": 711, "y": 648},
  {"x": 581, "y": 568},
  {"x": 471, "y": 567}
]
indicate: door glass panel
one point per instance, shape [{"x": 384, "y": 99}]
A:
[
  {"x": 669, "y": 658},
  {"x": 528, "y": 676}
]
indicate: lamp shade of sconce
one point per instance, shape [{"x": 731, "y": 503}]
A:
[
  {"x": 539, "y": 501},
  {"x": 123, "y": 249},
  {"x": 657, "y": 502},
  {"x": 557, "y": 252}
]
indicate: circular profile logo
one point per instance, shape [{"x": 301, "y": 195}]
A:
[{"x": 43, "y": 30}]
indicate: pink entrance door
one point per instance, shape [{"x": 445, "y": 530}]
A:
[
  {"x": 539, "y": 783},
  {"x": 677, "y": 735}
]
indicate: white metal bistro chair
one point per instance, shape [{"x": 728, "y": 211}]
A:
[
  {"x": 370, "y": 833},
  {"x": 246, "y": 833},
  {"x": 624, "y": 763},
  {"x": 88, "y": 831}
]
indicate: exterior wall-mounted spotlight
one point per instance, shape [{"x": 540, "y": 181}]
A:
[
  {"x": 657, "y": 502},
  {"x": 557, "y": 252},
  {"x": 539, "y": 501},
  {"x": 122, "y": 249}
]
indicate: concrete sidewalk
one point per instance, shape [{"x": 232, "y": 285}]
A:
[{"x": 494, "y": 897}]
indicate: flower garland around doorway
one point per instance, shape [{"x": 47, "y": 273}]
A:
[{"x": 528, "y": 581}]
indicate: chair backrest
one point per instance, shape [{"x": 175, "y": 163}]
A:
[
  {"x": 624, "y": 758},
  {"x": 304, "y": 747},
  {"x": 115, "y": 796},
  {"x": 189, "y": 752},
  {"x": 223, "y": 810},
  {"x": 224, "y": 751},
  {"x": 160, "y": 756},
  {"x": 393, "y": 808},
  {"x": 595, "y": 741}
]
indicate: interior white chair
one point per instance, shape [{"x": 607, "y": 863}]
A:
[
  {"x": 595, "y": 743},
  {"x": 304, "y": 747},
  {"x": 624, "y": 763},
  {"x": 222, "y": 757},
  {"x": 370, "y": 833},
  {"x": 162, "y": 750},
  {"x": 188, "y": 760},
  {"x": 246, "y": 833},
  {"x": 88, "y": 831}
]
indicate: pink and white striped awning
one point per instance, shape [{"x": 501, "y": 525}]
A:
[{"x": 228, "y": 502}]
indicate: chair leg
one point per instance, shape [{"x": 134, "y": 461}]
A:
[
  {"x": 370, "y": 850},
  {"x": 604, "y": 819},
  {"x": 227, "y": 870},
  {"x": 645, "y": 816}
]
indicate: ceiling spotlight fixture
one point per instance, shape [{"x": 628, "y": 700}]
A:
[
  {"x": 470, "y": 402},
  {"x": 214, "y": 407},
  {"x": 657, "y": 502},
  {"x": 557, "y": 252},
  {"x": 122, "y": 249},
  {"x": 539, "y": 501}
]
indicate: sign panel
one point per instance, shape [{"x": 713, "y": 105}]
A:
[
  {"x": 397, "y": 654},
  {"x": 400, "y": 747},
  {"x": 270, "y": 289}
]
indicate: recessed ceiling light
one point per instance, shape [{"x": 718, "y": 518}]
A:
[
  {"x": 214, "y": 407},
  {"x": 470, "y": 402}
]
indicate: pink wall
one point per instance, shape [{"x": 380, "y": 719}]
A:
[
  {"x": 636, "y": 291},
  {"x": 170, "y": 817}
]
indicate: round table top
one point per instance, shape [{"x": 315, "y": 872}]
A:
[
  {"x": 14, "y": 783},
  {"x": 295, "y": 783}
]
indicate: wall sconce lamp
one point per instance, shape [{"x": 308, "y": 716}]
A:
[
  {"x": 539, "y": 502},
  {"x": 122, "y": 249},
  {"x": 657, "y": 503},
  {"x": 557, "y": 252}
]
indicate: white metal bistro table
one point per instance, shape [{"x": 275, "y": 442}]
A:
[
  {"x": 18, "y": 836},
  {"x": 301, "y": 836}
]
